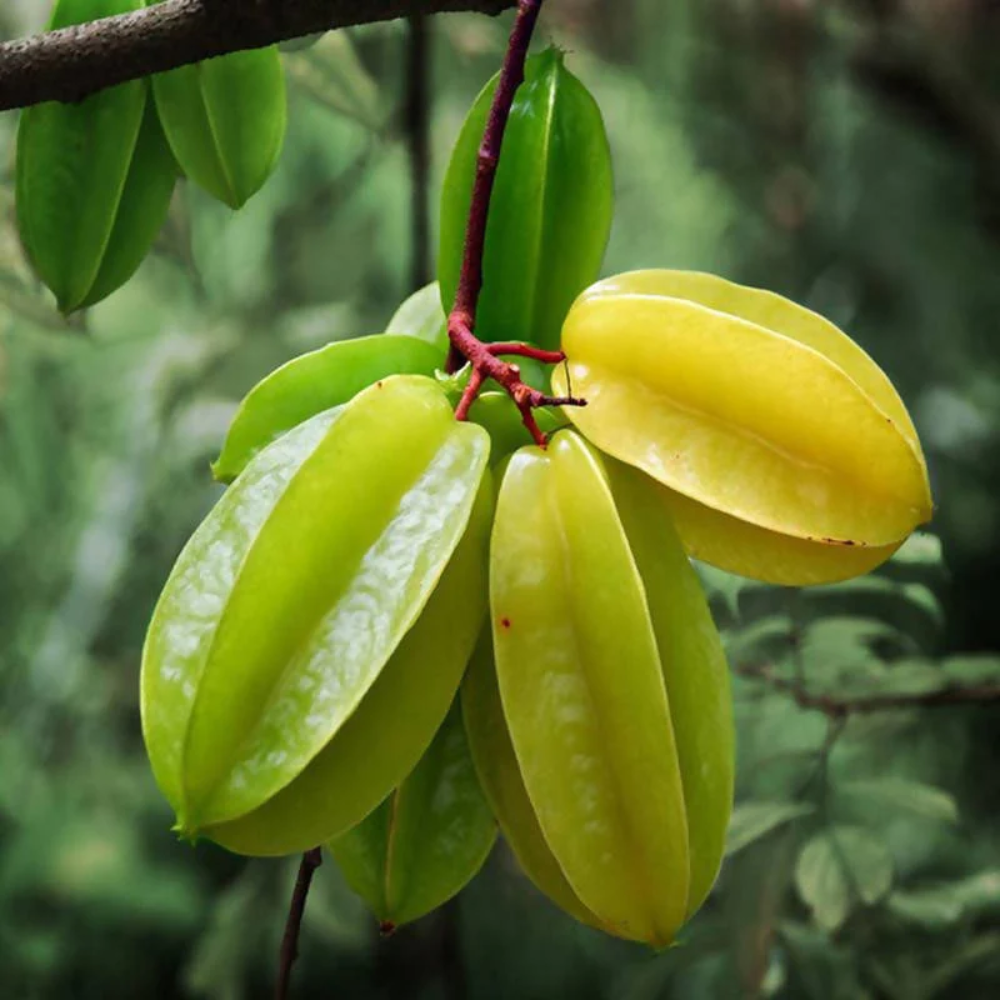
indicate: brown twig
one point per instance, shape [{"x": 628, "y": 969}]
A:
[
  {"x": 837, "y": 707},
  {"x": 68, "y": 65},
  {"x": 465, "y": 345},
  {"x": 311, "y": 860}
]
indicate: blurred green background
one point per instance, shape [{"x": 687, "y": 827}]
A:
[{"x": 846, "y": 154}]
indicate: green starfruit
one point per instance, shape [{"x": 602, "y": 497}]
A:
[
  {"x": 551, "y": 208},
  {"x": 225, "y": 119},
  {"x": 500, "y": 776},
  {"x": 335, "y": 591},
  {"x": 614, "y": 691},
  {"x": 93, "y": 180},
  {"x": 422, "y": 316},
  {"x": 784, "y": 451},
  {"x": 427, "y": 840},
  {"x": 313, "y": 382}
]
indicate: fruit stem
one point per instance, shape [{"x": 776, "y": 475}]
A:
[
  {"x": 311, "y": 860},
  {"x": 465, "y": 345}
]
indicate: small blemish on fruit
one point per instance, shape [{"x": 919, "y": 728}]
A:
[
  {"x": 505, "y": 622},
  {"x": 378, "y": 385}
]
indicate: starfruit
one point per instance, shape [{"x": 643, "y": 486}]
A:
[
  {"x": 551, "y": 208},
  {"x": 313, "y": 382},
  {"x": 611, "y": 766},
  {"x": 225, "y": 119},
  {"x": 427, "y": 840},
  {"x": 784, "y": 452},
  {"x": 313, "y": 632},
  {"x": 422, "y": 316},
  {"x": 93, "y": 180}
]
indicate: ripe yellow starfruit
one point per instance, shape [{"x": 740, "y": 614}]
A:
[
  {"x": 605, "y": 740},
  {"x": 785, "y": 453}
]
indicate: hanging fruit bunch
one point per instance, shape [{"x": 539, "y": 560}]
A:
[{"x": 398, "y": 630}]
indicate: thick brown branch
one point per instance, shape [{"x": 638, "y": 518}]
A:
[
  {"x": 68, "y": 65},
  {"x": 835, "y": 706}
]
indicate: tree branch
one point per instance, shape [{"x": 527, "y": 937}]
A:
[
  {"x": 69, "y": 64},
  {"x": 836, "y": 707}
]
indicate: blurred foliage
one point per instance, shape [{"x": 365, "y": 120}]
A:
[{"x": 845, "y": 154}]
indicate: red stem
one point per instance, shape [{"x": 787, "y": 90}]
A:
[{"x": 465, "y": 345}]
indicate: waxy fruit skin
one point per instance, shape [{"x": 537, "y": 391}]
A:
[
  {"x": 421, "y": 316},
  {"x": 786, "y": 453},
  {"x": 93, "y": 180},
  {"x": 551, "y": 209},
  {"x": 312, "y": 383},
  {"x": 600, "y": 650},
  {"x": 225, "y": 119},
  {"x": 297, "y": 596},
  {"x": 500, "y": 776},
  {"x": 427, "y": 840}
]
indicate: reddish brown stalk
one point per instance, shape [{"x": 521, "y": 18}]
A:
[
  {"x": 311, "y": 860},
  {"x": 465, "y": 345}
]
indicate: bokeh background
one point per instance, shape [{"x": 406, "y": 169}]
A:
[{"x": 846, "y": 154}]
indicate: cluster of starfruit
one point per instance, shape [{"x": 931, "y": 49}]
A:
[
  {"x": 94, "y": 179},
  {"x": 396, "y": 631}
]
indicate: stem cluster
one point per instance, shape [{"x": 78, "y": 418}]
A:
[{"x": 466, "y": 347}]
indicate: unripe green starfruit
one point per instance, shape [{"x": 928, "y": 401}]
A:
[
  {"x": 422, "y": 316},
  {"x": 313, "y": 382},
  {"x": 93, "y": 180},
  {"x": 314, "y": 630},
  {"x": 550, "y": 213},
  {"x": 427, "y": 840},
  {"x": 225, "y": 119},
  {"x": 784, "y": 451},
  {"x": 614, "y": 691}
]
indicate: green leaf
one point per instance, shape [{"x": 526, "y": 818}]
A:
[
  {"x": 883, "y": 796},
  {"x": 551, "y": 210},
  {"x": 766, "y": 641},
  {"x": 432, "y": 835},
  {"x": 421, "y": 316},
  {"x": 142, "y": 209},
  {"x": 312, "y": 383},
  {"x": 972, "y": 670},
  {"x": 225, "y": 119},
  {"x": 753, "y": 820},
  {"x": 839, "y": 866},
  {"x": 931, "y": 908},
  {"x": 73, "y": 167}
]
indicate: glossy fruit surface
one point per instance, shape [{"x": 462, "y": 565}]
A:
[
  {"x": 551, "y": 209},
  {"x": 500, "y": 776},
  {"x": 694, "y": 669},
  {"x": 791, "y": 457},
  {"x": 383, "y": 739},
  {"x": 225, "y": 119},
  {"x": 93, "y": 180},
  {"x": 427, "y": 840},
  {"x": 286, "y": 605},
  {"x": 589, "y": 667},
  {"x": 422, "y": 316},
  {"x": 311, "y": 383}
]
